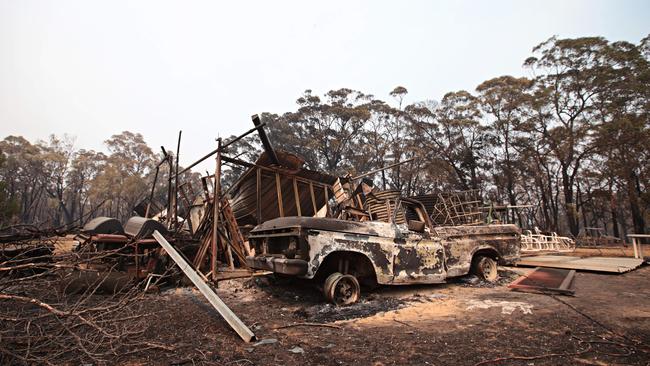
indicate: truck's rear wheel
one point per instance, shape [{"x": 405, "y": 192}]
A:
[
  {"x": 486, "y": 269},
  {"x": 341, "y": 289}
]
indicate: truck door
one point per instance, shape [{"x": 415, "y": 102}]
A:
[{"x": 418, "y": 259}]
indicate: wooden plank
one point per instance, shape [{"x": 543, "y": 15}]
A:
[
  {"x": 238, "y": 253},
  {"x": 278, "y": 188},
  {"x": 231, "y": 262},
  {"x": 233, "y": 229},
  {"x": 259, "y": 196},
  {"x": 227, "y": 314},
  {"x": 313, "y": 198},
  {"x": 327, "y": 200},
  {"x": 296, "y": 196},
  {"x": 203, "y": 249}
]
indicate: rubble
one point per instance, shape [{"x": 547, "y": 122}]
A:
[{"x": 259, "y": 225}]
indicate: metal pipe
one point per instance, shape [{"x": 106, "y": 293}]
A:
[{"x": 223, "y": 147}]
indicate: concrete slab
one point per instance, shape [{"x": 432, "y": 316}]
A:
[{"x": 599, "y": 264}]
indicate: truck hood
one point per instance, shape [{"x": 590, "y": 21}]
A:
[{"x": 371, "y": 228}]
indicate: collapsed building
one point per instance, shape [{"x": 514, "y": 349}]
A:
[
  {"x": 218, "y": 237},
  {"x": 280, "y": 217},
  {"x": 213, "y": 233}
]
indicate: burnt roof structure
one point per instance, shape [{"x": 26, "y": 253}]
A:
[{"x": 267, "y": 191}]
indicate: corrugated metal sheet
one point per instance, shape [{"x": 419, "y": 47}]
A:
[
  {"x": 244, "y": 193},
  {"x": 382, "y": 205},
  {"x": 140, "y": 228},
  {"x": 103, "y": 225},
  {"x": 599, "y": 264}
]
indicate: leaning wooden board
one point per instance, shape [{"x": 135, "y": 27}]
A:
[
  {"x": 598, "y": 264},
  {"x": 212, "y": 297}
]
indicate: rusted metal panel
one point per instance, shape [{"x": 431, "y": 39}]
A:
[
  {"x": 378, "y": 249},
  {"x": 461, "y": 242},
  {"x": 419, "y": 261},
  {"x": 110, "y": 238},
  {"x": 541, "y": 279}
]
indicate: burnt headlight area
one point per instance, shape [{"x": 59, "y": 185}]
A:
[{"x": 282, "y": 246}]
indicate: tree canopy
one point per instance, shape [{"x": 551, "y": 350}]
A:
[{"x": 572, "y": 141}]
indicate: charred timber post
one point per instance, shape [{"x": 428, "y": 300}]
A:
[
  {"x": 296, "y": 196},
  {"x": 327, "y": 200},
  {"x": 223, "y": 147},
  {"x": 216, "y": 202},
  {"x": 178, "y": 150},
  {"x": 169, "y": 180},
  {"x": 155, "y": 180},
  {"x": 265, "y": 140},
  {"x": 258, "y": 205},
  {"x": 313, "y": 198},
  {"x": 278, "y": 188}
]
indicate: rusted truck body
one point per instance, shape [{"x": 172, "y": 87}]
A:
[{"x": 378, "y": 252}]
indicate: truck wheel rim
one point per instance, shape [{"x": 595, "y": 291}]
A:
[
  {"x": 342, "y": 289},
  {"x": 489, "y": 270}
]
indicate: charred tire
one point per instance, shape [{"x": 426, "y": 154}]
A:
[
  {"x": 486, "y": 268},
  {"x": 341, "y": 289}
]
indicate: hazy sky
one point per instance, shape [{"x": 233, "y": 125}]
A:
[{"x": 92, "y": 69}]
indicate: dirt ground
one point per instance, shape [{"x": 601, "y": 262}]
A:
[{"x": 461, "y": 323}]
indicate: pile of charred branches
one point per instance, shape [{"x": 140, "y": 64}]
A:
[{"x": 54, "y": 310}]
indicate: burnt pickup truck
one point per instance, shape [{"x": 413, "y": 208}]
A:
[{"x": 342, "y": 254}]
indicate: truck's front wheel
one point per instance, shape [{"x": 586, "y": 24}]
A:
[
  {"x": 341, "y": 289},
  {"x": 486, "y": 268}
]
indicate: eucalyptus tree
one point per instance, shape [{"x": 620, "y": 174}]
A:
[
  {"x": 623, "y": 134},
  {"x": 505, "y": 101},
  {"x": 569, "y": 73},
  {"x": 326, "y": 132},
  {"x": 459, "y": 137}
]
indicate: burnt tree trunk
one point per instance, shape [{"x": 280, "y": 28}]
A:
[{"x": 633, "y": 197}]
